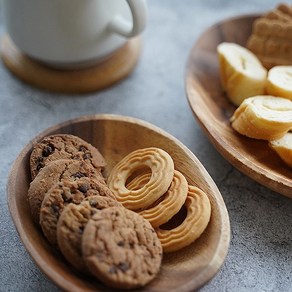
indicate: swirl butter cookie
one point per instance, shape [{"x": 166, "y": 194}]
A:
[
  {"x": 121, "y": 248},
  {"x": 161, "y": 165},
  {"x": 72, "y": 222},
  {"x": 53, "y": 172},
  {"x": 169, "y": 203},
  {"x": 63, "y": 146},
  {"x": 198, "y": 215},
  {"x": 63, "y": 193}
]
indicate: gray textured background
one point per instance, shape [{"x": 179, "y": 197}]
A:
[{"x": 260, "y": 254}]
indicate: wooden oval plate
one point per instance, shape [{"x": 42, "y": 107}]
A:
[
  {"x": 212, "y": 109},
  {"x": 116, "y": 136}
]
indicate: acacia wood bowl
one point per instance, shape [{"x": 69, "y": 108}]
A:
[
  {"x": 213, "y": 110},
  {"x": 116, "y": 136}
]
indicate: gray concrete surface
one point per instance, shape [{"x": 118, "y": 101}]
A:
[{"x": 260, "y": 254}]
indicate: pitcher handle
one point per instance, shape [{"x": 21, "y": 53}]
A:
[{"x": 123, "y": 27}]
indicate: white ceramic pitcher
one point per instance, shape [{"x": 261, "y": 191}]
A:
[{"x": 68, "y": 33}]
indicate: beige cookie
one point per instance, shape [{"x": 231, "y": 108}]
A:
[
  {"x": 72, "y": 222},
  {"x": 54, "y": 172},
  {"x": 169, "y": 204},
  {"x": 272, "y": 28},
  {"x": 198, "y": 215},
  {"x": 271, "y": 37},
  {"x": 285, "y": 8},
  {"x": 161, "y": 165},
  {"x": 279, "y": 15}
]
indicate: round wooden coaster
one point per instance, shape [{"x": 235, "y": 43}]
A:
[{"x": 112, "y": 69}]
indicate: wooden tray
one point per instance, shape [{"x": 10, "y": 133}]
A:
[{"x": 212, "y": 109}]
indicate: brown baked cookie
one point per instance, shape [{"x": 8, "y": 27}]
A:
[
  {"x": 63, "y": 146},
  {"x": 72, "y": 223},
  {"x": 54, "y": 172},
  {"x": 121, "y": 248},
  {"x": 63, "y": 193}
]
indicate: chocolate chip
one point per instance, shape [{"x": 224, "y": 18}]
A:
[
  {"x": 66, "y": 197},
  {"x": 81, "y": 229},
  {"x": 39, "y": 163},
  {"x": 83, "y": 188},
  {"x": 87, "y": 156},
  {"x": 39, "y": 166},
  {"x": 78, "y": 175},
  {"x": 92, "y": 212},
  {"x": 123, "y": 266},
  {"x": 48, "y": 150},
  {"x": 82, "y": 148},
  {"x": 92, "y": 203},
  {"x": 55, "y": 209},
  {"x": 40, "y": 159},
  {"x": 121, "y": 243}
]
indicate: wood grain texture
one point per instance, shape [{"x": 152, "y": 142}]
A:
[
  {"x": 116, "y": 136},
  {"x": 212, "y": 109},
  {"x": 104, "y": 74}
]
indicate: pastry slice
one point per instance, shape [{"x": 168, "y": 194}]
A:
[
  {"x": 263, "y": 117},
  {"x": 279, "y": 82},
  {"x": 283, "y": 147},
  {"x": 242, "y": 74}
]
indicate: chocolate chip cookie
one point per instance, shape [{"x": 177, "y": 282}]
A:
[
  {"x": 63, "y": 193},
  {"x": 72, "y": 223},
  {"x": 53, "y": 172},
  {"x": 63, "y": 146},
  {"x": 121, "y": 248}
]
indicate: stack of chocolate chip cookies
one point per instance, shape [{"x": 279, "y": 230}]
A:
[{"x": 79, "y": 215}]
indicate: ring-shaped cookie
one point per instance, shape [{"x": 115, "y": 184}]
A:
[
  {"x": 162, "y": 169},
  {"x": 139, "y": 181},
  {"x": 198, "y": 215},
  {"x": 170, "y": 203}
]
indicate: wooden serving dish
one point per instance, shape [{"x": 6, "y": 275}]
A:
[
  {"x": 116, "y": 136},
  {"x": 212, "y": 109}
]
